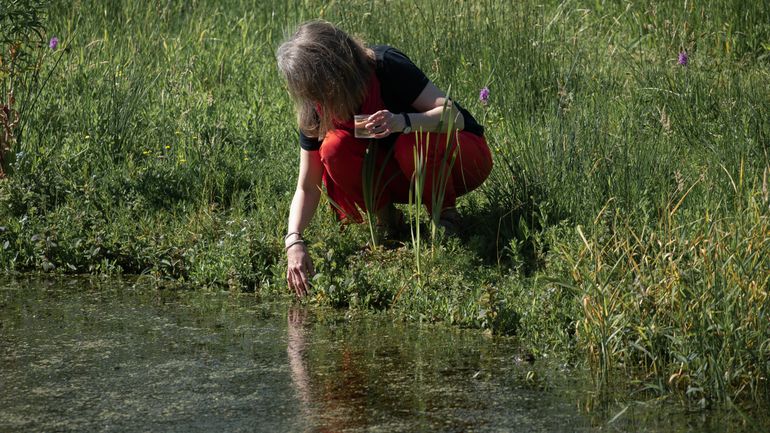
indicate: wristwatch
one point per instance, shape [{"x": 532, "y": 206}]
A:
[{"x": 408, "y": 126}]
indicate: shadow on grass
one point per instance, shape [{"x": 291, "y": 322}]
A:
[{"x": 507, "y": 230}]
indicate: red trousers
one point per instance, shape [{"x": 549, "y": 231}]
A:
[
  {"x": 460, "y": 165},
  {"x": 343, "y": 156}
]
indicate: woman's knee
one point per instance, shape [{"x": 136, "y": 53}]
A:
[
  {"x": 473, "y": 165},
  {"x": 402, "y": 152},
  {"x": 431, "y": 147}
]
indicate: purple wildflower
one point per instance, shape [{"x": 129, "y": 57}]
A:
[
  {"x": 683, "y": 59},
  {"x": 484, "y": 95},
  {"x": 53, "y": 43}
]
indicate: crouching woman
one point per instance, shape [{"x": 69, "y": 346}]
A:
[{"x": 332, "y": 76}]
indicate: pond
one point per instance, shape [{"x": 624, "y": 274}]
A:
[{"x": 86, "y": 355}]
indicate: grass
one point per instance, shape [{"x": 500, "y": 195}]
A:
[{"x": 625, "y": 224}]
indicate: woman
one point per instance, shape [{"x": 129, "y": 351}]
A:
[{"x": 332, "y": 76}]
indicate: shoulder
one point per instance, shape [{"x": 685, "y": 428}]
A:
[
  {"x": 392, "y": 64},
  {"x": 401, "y": 81},
  {"x": 386, "y": 55}
]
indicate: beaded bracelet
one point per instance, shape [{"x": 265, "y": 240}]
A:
[{"x": 297, "y": 241}]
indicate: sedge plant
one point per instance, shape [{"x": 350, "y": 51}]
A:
[
  {"x": 421, "y": 154},
  {"x": 415, "y": 197},
  {"x": 442, "y": 175},
  {"x": 374, "y": 185}
]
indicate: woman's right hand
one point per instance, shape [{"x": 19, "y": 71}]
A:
[{"x": 300, "y": 268}]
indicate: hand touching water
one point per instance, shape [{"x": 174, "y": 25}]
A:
[{"x": 299, "y": 270}]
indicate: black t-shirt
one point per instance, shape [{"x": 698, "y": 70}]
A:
[{"x": 401, "y": 82}]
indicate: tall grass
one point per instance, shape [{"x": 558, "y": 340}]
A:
[{"x": 625, "y": 223}]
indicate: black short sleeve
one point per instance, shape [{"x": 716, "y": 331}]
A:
[
  {"x": 308, "y": 143},
  {"x": 401, "y": 80}
]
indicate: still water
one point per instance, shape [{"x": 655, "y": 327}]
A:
[{"x": 85, "y": 355}]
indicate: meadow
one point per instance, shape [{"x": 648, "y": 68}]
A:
[{"x": 625, "y": 226}]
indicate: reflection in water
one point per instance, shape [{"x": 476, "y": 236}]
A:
[
  {"x": 358, "y": 376},
  {"x": 335, "y": 402},
  {"x": 295, "y": 350}
]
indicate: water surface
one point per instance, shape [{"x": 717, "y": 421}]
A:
[{"x": 92, "y": 355}]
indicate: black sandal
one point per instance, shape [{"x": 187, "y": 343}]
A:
[
  {"x": 451, "y": 221},
  {"x": 393, "y": 226}
]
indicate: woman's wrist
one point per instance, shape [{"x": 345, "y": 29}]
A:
[
  {"x": 405, "y": 122},
  {"x": 292, "y": 238},
  {"x": 293, "y": 243}
]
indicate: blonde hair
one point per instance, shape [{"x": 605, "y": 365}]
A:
[{"x": 325, "y": 66}]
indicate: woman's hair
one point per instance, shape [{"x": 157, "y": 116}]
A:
[{"x": 327, "y": 72}]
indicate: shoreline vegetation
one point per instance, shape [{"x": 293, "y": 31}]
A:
[{"x": 626, "y": 224}]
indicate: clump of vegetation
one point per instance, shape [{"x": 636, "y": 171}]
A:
[
  {"x": 625, "y": 224},
  {"x": 23, "y": 56}
]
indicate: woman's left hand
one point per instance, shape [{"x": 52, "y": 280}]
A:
[{"x": 384, "y": 123}]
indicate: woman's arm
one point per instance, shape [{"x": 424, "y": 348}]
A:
[
  {"x": 308, "y": 192},
  {"x": 430, "y": 106},
  {"x": 433, "y": 113},
  {"x": 303, "y": 207}
]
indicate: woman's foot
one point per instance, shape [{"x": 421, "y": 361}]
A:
[
  {"x": 451, "y": 221},
  {"x": 391, "y": 223}
]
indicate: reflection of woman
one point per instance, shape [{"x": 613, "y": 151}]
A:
[
  {"x": 295, "y": 350},
  {"x": 340, "y": 398},
  {"x": 332, "y": 76}
]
